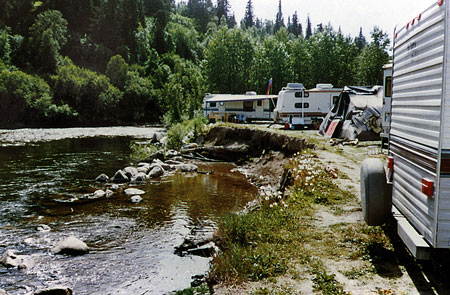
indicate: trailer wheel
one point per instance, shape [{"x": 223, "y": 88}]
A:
[{"x": 375, "y": 196}]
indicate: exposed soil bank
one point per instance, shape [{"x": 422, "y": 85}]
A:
[{"x": 235, "y": 144}]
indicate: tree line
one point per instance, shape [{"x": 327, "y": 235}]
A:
[{"x": 106, "y": 62}]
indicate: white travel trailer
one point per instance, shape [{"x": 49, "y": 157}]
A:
[
  {"x": 415, "y": 185},
  {"x": 239, "y": 107},
  {"x": 298, "y": 106}
]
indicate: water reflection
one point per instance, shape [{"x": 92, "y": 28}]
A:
[{"x": 131, "y": 244}]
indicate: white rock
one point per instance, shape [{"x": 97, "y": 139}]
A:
[
  {"x": 134, "y": 191},
  {"x": 71, "y": 245},
  {"x": 136, "y": 199}
]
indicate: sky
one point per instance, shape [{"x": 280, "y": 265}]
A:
[{"x": 350, "y": 15}]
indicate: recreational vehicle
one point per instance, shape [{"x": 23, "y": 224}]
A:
[
  {"x": 239, "y": 108},
  {"x": 414, "y": 185},
  {"x": 298, "y": 106}
]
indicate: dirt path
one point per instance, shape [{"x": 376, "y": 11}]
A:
[{"x": 381, "y": 271}]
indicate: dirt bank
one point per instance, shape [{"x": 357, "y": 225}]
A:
[{"x": 235, "y": 144}]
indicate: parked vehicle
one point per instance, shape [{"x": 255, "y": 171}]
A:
[
  {"x": 238, "y": 107},
  {"x": 297, "y": 106},
  {"x": 415, "y": 184}
]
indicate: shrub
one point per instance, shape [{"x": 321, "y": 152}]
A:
[
  {"x": 27, "y": 101},
  {"x": 90, "y": 94}
]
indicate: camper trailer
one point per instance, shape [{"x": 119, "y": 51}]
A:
[
  {"x": 239, "y": 108},
  {"x": 414, "y": 185},
  {"x": 297, "y": 106}
]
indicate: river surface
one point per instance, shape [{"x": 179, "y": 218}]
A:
[{"x": 131, "y": 245}]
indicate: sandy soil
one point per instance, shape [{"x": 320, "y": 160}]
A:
[{"x": 400, "y": 274}]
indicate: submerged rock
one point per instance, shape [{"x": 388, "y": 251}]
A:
[
  {"x": 43, "y": 228},
  {"x": 120, "y": 177},
  {"x": 56, "y": 290},
  {"x": 135, "y": 199},
  {"x": 188, "y": 167},
  {"x": 134, "y": 192},
  {"x": 71, "y": 246},
  {"x": 102, "y": 178},
  {"x": 156, "y": 171}
]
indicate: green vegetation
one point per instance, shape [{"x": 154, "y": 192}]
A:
[
  {"x": 134, "y": 61},
  {"x": 186, "y": 132},
  {"x": 282, "y": 238}
]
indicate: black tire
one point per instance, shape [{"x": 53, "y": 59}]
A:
[{"x": 376, "y": 199}]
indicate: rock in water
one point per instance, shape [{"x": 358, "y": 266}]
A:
[
  {"x": 131, "y": 172},
  {"x": 109, "y": 193},
  {"x": 3, "y": 292},
  {"x": 120, "y": 177},
  {"x": 10, "y": 259},
  {"x": 157, "y": 171},
  {"x": 71, "y": 246},
  {"x": 134, "y": 192},
  {"x": 43, "y": 228},
  {"x": 188, "y": 168},
  {"x": 139, "y": 178},
  {"x": 135, "y": 199},
  {"x": 102, "y": 178},
  {"x": 99, "y": 194},
  {"x": 56, "y": 290}
]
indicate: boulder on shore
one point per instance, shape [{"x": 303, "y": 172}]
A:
[
  {"x": 56, "y": 290},
  {"x": 71, "y": 246}
]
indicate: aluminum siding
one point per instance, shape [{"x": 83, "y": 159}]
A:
[
  {"x": 418, "y": 69},
  {"x": 443, "y": 201},
  {"x": 417, "y": 84}
]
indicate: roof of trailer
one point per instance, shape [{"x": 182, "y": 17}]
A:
[{"x": 237, "y": 97}]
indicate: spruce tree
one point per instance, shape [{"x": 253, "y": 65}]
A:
[
  {"x": 308, "y": 32},
  {"x": 360, "y": 41},
  {"x": 296, "y": 27},
  {"x": 249, "y": 16},
  {"x": 279, "y": 22},
  {"x": 223, "y": 9}
]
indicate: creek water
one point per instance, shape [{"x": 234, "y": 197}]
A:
[{"x": 131, "y": 245}]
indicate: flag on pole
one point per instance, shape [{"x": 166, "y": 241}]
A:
[{"x": 269, "y": 86}]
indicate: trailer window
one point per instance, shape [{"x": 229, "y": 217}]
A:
[
  {"x": 306, "y": 94},
  {"x": 298, "y": 94},
  {"x": 335, "y": 99},
  {"x": 248, "y": 106},
  {"x": 298, "y": 105},
  {"x": 212, "y": 104},
  {"x": 259, "y": 103},
  {"x": 388, "y": 86}
]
